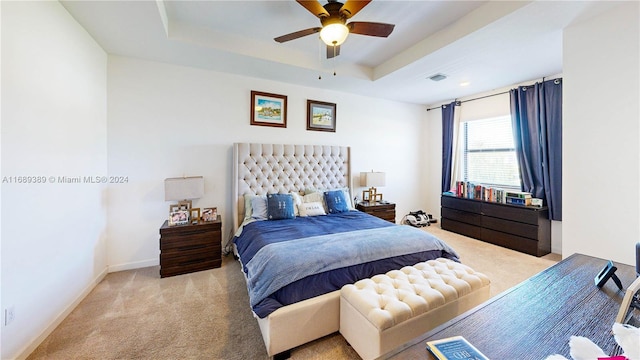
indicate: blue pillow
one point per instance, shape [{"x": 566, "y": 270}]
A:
[
  {"x": 336, "y": 203},
  {"x": 280, "y": 206}
]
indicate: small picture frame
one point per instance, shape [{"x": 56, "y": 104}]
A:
[
  {"x": 179, "y": 217},
  {"x": 209, "y": 214},
  {"x": 321, "y": 116},
  {"x": 365, "y": 195},
  {"x": 268, "y": 109},
  {"x": 195, "y": 215},
  {"x": 185, "y": 204},
  {"x": 181, "y": 205}
]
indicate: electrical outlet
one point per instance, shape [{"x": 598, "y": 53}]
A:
[{"x": 9, "y": 315}]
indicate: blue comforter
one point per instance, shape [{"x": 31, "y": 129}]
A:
[{"x": 287, "y": 261}]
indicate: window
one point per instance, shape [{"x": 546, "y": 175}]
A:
[{"x": 488, "y": 153}]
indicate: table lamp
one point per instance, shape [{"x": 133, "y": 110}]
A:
[
  {"x": 183, "y": 190},
  {"x": 371, "y": 180}
]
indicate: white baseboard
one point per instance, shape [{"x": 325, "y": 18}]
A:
[
  {"x": 134, "y": 265},
  {"x": 63, "y": 315}
]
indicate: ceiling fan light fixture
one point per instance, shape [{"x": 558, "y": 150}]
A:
[{"x": 334, "y": 34}]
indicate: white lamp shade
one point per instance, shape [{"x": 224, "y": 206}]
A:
[
  {"x": 183, "y": 188},
  {"x": 334, "y": 34},
  {"x": 372, "y": 179}
]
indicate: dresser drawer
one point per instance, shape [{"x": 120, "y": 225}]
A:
[
  {"x": 513, "y": 212},
  {"x": 189, "y": 248},
  {"x": 461, "y": 216}
]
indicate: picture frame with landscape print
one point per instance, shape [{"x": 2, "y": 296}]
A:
[
  {"x": 268, "y": 109},
  {"x": 321, "y": 116}
]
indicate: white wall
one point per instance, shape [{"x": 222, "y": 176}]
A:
[
  {"x": 167, "y": 120},
  {"x": 53, "y": 124},
  {"x": 601, "y": 170}
]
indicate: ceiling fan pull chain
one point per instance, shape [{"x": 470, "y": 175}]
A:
[{"x": 334, "y": 59}]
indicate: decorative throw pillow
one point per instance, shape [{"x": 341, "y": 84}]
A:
[
  {"x": 297, "y": 201},
  {"x": 348, "y": 198},
  {"x": 280, "y": 206},
  {"x": 336, "y": 203},
  {"x": 312, "y": 209},
  {"x": 247, "y": 206},
  {"x": 347, "y": 194},
  {"x": 259, "y": 207},
  {"x": 313, "y": 197}
]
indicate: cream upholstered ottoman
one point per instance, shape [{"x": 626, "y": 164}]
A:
[{"x": 381, "y": 313}]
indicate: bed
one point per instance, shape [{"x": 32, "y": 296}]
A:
[{"x": 296, "y": 256}]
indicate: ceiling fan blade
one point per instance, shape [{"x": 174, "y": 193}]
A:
[
  {"x": 297, "y": 34},
  {"x": 370, "y": 28},
  {"x": 351, "y": 7},
  {"x": 314, "y": 7},
  {"x": 333, "y": 51}
]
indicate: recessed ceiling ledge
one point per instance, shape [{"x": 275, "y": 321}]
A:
[{"x": 477, "y": 19}]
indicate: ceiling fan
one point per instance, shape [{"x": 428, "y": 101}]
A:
[{"x": 334, "y": 30}]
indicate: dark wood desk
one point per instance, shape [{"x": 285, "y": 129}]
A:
[{"x": 536, "y": 318}]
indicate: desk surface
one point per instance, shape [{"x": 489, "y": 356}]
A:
[{"x": 536, "y": 318}]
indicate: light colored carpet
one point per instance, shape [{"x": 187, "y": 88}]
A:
[{"x": 136, "y": 315}]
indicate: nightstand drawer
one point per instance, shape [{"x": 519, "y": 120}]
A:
[
  {"x": 189, "y": 267},
  {"x": 195, "y": 259},
  {"x": 175, "y": 242},
  {"x": 189, "y": 248},
  {"x": 386, "y": 211}
]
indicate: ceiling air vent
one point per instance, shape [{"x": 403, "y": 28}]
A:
[{"x": 438, "y": 77}]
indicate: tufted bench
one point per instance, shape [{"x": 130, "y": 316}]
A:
[{"x": 381, "y": 313}]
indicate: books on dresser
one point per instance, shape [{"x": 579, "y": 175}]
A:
[{"x": 454, "y": 348}]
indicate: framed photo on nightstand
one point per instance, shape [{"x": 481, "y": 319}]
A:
[
  {"x": 179, "y": 217},
  {"x": 209, "y": 214},
  {"x": 195, "y": 215}
]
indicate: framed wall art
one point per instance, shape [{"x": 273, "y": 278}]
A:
[
  {"x": 321, "y": 116},
  {"x": 268, "y": 109}
]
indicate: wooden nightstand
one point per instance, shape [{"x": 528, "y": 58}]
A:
[
  {"x": 189, "y": 248},
  {"x": 385, "y": 211}
]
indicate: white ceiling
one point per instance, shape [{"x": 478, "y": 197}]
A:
[{"x": 491, "y": 44}]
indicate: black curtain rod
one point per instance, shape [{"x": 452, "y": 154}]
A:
[
  {"x": 478, "y": 98},
  {"x": 486, "y": 96}
]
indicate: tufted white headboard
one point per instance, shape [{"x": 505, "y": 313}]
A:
[{"x": 276, "y": 168}]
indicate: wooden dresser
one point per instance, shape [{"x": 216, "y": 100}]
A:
[
  {"x": 189, "y": 248},
  {"x": 522, "y": 228},
  {"x": 385, "y": 211}
]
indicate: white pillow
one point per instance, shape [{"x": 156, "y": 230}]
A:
[
  {"x": 248, "y": 208},
  {"x": 297, "y": 201},
  {"x": 315, "y": 196},
  {"x": 312, "y": 209},
  {"x": 259, "y": 207}
]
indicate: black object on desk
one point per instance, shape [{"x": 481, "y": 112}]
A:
[{"x": 608, "y": 272}]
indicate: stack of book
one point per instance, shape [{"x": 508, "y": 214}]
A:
[
  {"x": 518, "y": 198},
  {"x": 469, "y": 190}
]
